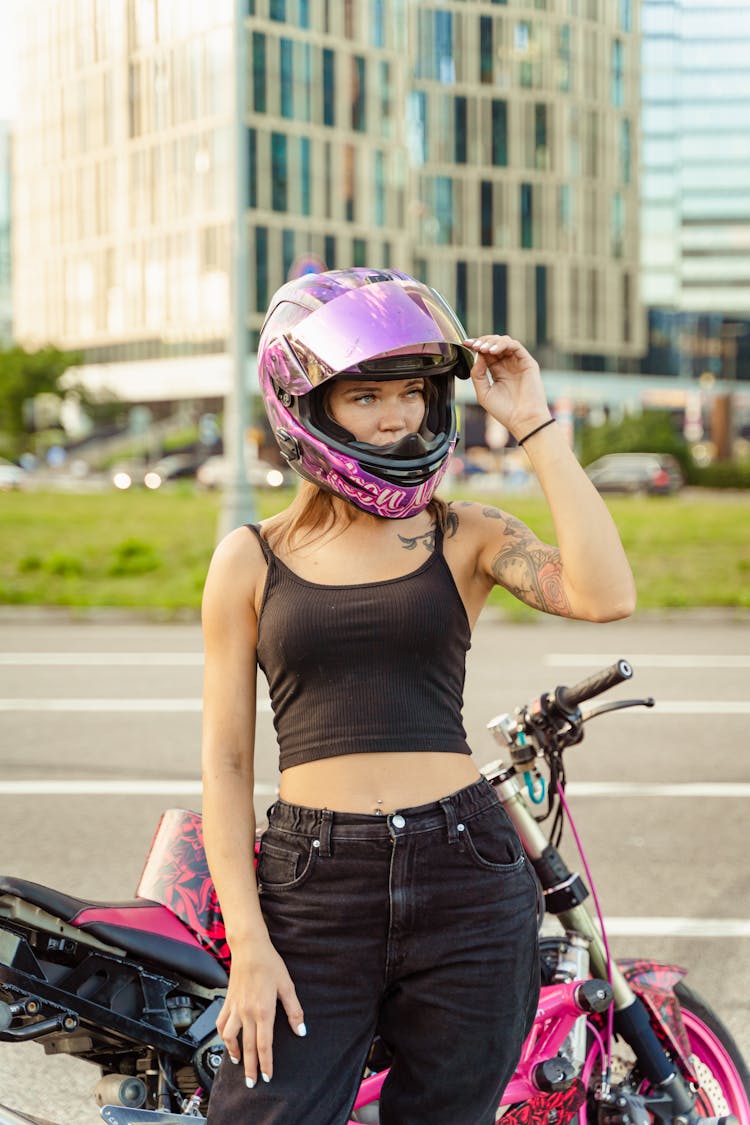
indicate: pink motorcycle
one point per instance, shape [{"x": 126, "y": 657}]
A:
[{"x": 135, "y": 987}]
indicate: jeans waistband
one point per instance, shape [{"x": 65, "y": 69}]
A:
[{"x": 446, "y": 812}]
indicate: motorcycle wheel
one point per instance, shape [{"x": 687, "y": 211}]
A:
[{"x": 715, "y": 1058}]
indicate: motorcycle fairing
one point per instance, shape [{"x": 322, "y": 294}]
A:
[
  {"x": 559, "y": 1107},
  {"x": 655, "y": 984},
  {"x": 176, "y": 875}
]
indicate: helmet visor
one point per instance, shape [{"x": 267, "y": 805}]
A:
[{"x": 375, "y": 321}]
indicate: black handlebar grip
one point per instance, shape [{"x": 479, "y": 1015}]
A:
[{"x": 569, "y": 697}]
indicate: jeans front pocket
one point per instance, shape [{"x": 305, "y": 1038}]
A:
[
  {"x": 284, "y": 864},
  {"x": 492, "y": 842}
]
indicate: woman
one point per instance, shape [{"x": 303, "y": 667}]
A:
[{"x": 392, "y": 895}]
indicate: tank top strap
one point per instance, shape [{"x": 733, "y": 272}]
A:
[{"x": 267, "y": 552}]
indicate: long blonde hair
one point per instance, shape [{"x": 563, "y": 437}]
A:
[{"x": 314, "y": 511}]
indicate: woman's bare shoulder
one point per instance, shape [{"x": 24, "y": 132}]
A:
[
  {"x": 472, "y": 519},
  {"x": 236, "y": 574}
]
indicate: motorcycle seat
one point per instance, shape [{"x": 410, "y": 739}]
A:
[{"x": 143, "y": 928}]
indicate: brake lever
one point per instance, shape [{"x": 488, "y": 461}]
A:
[{"x": 617, "y": 705}]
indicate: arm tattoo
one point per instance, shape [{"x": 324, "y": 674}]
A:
[{"x": 530, "y": 570}]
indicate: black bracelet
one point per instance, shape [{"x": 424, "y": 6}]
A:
[{"x": 536, "y": 431}]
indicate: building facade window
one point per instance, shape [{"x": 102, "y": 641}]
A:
[
  {"x": 380, "y": 188},
  {"x": 277, "y": 10},
  {"x": 329, "y": 87},
  {"x": 460, "y": 129},
  {"x": 486, "y": 59},
  {"x": 259, "y": 72},
  {"x": 377, "y": 23},
  {"x": 485, "y": 211},
  {"x": 564, "y": 58},
  {"x": 385, "y": 98},
  {"x": 304, "y": 176},
  {"x": 261, "y": 269},
  {"x": 359, "y": 101},
  {"x": 499, "y": 132},
  {"x": 443, "y": 209},
  {"x": 359, "y": 252},
  {"x": 286, "y": 69},
  {"x": 617, "y": 225},
  {"x": 329, "y": 251},
  {"x": 252, "y": 160},
  {"x": 499, "y": 297},
  {"x": 279, "y": 171},
  {"x": 418, "y": 126},
  {"x": 540, "y": 293},
  {"x": 527, "y": 216},
  {"x": 287, "y": 251},
  {"x": 462, "y": 291},
  {"x": 625, "y": 151},
  {"x": 616, "y": 92},
  {"x": 541, "y": 145}
]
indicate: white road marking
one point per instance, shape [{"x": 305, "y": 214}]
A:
[
  {"x": 109, "y": 659},
  {"x": 154, "y": 786},
  {"x": 678, "y": 927},
  {"x": 694, "y": 789},
  {"x": 92, "y": 787},
  {"x": 646, "y": 660},
  {"x": 112, "y": 705},
  {"x": 663, "y": 706}
]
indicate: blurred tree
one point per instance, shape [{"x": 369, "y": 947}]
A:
[
  {"x": 24, "y": 376},
  {"x": 651, "y": 431}
]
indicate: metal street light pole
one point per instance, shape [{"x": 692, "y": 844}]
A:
[{"x": 239, "y": 502}]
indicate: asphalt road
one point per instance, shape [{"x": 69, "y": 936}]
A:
[{"x": 100, "y": 731}]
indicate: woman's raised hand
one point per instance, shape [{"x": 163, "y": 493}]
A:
[
  {"x": 257, "y": 979},
  {"x": 508, "y": 384}
]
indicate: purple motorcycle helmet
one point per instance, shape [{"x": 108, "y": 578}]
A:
[{"x": 361, "y": 324}]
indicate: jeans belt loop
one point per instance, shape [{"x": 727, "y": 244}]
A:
[
  {"x": 450, "y": 819},
  {"x": 324, "y": 832}
]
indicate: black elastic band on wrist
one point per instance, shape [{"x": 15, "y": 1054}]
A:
[{"x": 536, "y": 431}]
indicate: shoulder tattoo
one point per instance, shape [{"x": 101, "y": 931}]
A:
[{"x": 530, "y": 570}]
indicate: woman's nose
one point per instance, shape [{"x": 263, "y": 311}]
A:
[{"x": 393, "y": 417}]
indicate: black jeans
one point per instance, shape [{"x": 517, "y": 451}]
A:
[{"x": 419, "y": 926}]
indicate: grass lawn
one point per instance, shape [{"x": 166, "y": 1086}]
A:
[{"x": 151, "y": 550}]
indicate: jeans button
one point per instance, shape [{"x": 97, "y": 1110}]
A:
[{"x": 398, "y": 821}]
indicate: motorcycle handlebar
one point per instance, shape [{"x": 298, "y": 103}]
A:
[{"x": 568, "y": 698}]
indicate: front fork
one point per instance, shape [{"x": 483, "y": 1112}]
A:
[{"x": 564, "y": 896}]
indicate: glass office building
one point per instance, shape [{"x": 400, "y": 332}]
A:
[
  {"x": 488, "y": 147},
  {"x": 695, "y": 185}
]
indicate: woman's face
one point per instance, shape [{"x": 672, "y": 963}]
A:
[{"x": 376, "y": 412}]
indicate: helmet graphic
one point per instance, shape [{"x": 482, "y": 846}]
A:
[{"x": 369, "y": 325}]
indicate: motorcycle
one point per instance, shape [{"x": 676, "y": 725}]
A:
[{"x": 135, "y": 987}]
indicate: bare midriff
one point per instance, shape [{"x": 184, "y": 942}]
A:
[{"x": 377, "y": 783}]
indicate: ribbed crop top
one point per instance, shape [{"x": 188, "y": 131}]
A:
[{"x": 371, "y": 667}]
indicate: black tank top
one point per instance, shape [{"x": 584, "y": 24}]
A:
[{"x": 370, "y": 667}]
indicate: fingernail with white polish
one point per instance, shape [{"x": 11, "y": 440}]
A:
[
  {"x": 249, "y": 1082},
  {"x": 301, "y": 1029},
  {"x": 265, "y": 1077},
  {"x": 233, "y": 1059}
]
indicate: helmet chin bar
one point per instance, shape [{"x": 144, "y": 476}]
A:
[{"x": 409, "y": 446}]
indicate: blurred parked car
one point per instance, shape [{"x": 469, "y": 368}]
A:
[
  {"x": 216, "y": 471},
  {"x": 176, "y": 466},
  {"x": 11, "y": 476},
  {"x": 657, "y": 474}
]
